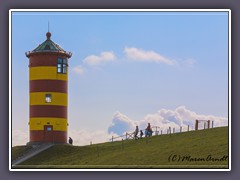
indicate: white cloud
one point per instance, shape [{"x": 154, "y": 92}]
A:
[
  {"x": 94, "y": 60},
  {"x": 164, "y": 118},
  {"x": 79, "y": 70},
  {"x": 146, "y": 56},
  {"x": 121, "y": 124}
]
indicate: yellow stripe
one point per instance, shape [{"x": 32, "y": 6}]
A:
[
  {"x": 46, "y": 72},
  {"x": 39, "y": 98},
  {"x": 59, "y": 124}
]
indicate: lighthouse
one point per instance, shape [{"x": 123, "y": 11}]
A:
[{"x": 48, "y": 93}]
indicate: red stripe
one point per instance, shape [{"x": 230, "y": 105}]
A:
[
  {"x": 48, "y": 111},
  {"x": 44, "y": 60},
  {"x": 53, "y": 137},
  {"x": 48, "y": 86}
]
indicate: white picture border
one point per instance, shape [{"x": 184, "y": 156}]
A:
[{"x": 118, "y": 10}]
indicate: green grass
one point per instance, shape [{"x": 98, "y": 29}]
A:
[
  {"x": 153, "y": 152},
  {"x": 19, "y": 151}
]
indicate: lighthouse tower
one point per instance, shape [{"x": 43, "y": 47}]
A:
[{"x": 48, "y": 93}]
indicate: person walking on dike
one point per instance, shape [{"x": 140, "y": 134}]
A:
[
  {"x": 148, "y": 130},
  {"x": 136, "y": 132},
  {"x": 141, "y": 134}
]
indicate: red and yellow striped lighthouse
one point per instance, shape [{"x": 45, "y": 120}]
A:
[{"x": 48, "y": 93}]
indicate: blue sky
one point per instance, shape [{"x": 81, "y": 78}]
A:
[{"x": 135, "y": 63}]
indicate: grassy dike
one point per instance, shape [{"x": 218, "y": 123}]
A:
[{"x": 195, "y": 149}]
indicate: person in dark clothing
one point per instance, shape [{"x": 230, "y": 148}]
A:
[
  {"x": 141, "y": 134},
  {"x": 70, "y": 140},
  {"x": 148, "y": 130},
  {"x": 136, "y": 132}
]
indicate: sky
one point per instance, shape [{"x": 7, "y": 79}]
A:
[{"x": 127, "y": 69}]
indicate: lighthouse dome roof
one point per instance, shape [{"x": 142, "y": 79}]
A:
[{"x": 48, "y": 46}]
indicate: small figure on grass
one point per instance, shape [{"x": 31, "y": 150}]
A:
[
  {"x": 136, "y": 132},
  {"x": 70, "y": 141},
  {"x": 148, "y": 131},
  {"x": 141, "y": 134}
]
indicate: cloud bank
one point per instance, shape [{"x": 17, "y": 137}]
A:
[
  {"x": 121, "y": 124},
  {"x": 164, "y": 118},
  {"x": 146, "y": 56}
]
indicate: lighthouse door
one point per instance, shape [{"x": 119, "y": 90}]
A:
[{"x": 48, "y": 133}]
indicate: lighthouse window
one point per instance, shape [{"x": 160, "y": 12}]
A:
[
  {"x": 49, "y": 129},
  {"x": 48, "y": 98},
  {"x": 62, "y": 66}
]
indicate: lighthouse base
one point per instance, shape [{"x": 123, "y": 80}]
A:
[
  {"x": 41, "y": 137},
  {"x": 39, "y": 143}
]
